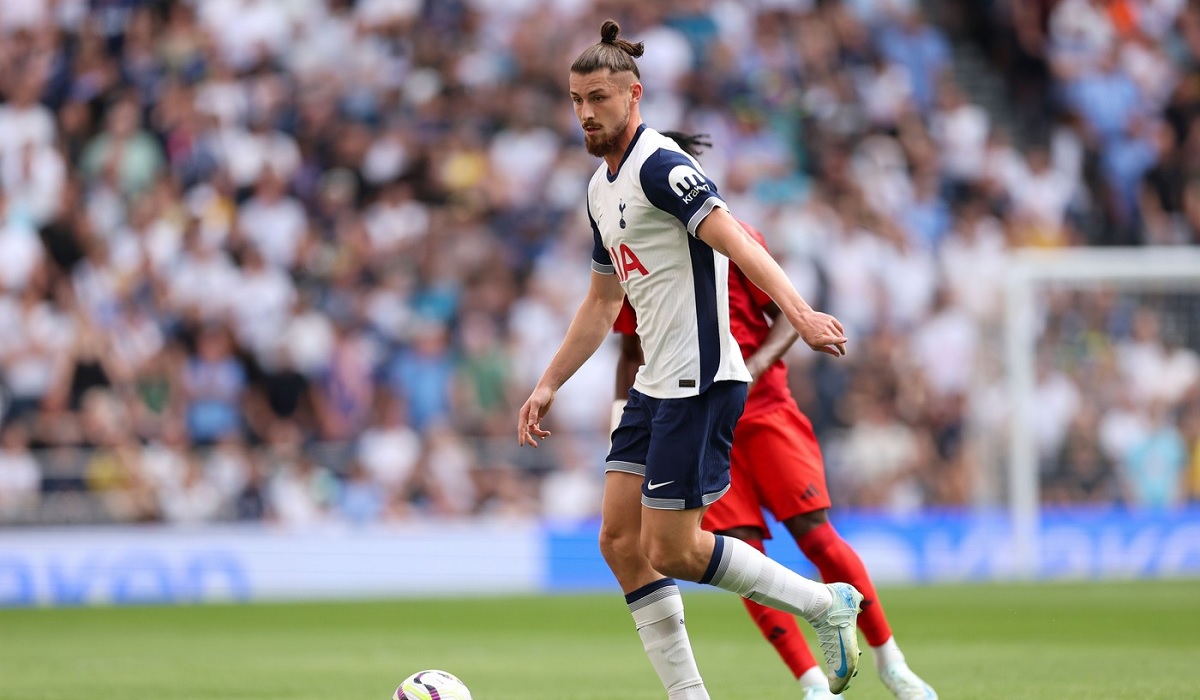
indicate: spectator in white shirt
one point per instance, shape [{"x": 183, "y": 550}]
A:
[
  {"x": 33, "y": 177},
  {"x": 20, "y": 473},
  {"x": 24, "y": 120},
  {"x": 274, "y": 222},
  {"x": 21, "y": 251}
]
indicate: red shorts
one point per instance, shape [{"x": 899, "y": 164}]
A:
[{"x": 775, "y": 464}]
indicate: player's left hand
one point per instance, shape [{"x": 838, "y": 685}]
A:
[
  {"x": 529, "y": 429},
  {"x": 822, "y": 333}
]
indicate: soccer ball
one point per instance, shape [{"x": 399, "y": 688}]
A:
[{"x": 432, "y": 685}]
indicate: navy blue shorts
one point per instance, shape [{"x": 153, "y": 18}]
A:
[{"x": 680, "y": 446}]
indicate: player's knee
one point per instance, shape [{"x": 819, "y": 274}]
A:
[
  {"x": 671, "y": 564},
  {"x": 801, "y": 525},
  {"x": 618, "y": 546},
  {"x": 671, "y": 559}
]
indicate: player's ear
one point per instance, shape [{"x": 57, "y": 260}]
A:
[{"x": 635, "y": 92}]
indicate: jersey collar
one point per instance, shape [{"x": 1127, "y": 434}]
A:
[{"x": 628, "y": 149}]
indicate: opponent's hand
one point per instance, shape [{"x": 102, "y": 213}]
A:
[
  {"x": 529, "y": 429},
  {"x": 822, "y": 333}
]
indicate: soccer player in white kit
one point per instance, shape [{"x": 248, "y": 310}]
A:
[{"x": 664, "y": 239}]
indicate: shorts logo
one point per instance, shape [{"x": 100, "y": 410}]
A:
[
  {"x": 650, "y": 485},
  {"x": 687, "y": 182}
]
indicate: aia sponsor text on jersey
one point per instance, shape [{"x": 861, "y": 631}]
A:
[{"x": 626, "y": 262}]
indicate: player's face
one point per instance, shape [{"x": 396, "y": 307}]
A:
[{"x": 602, "y": 104}]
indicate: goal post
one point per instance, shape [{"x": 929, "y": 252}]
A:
[{"x": 1032, "y": 274}]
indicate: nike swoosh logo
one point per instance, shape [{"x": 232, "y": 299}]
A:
[
  {"x": 650, "y": 485},
  {"x": 840, "y": 672}
]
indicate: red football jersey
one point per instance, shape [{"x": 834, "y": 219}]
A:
[
  {"x": 626, "y": 323},
  {"x": 748, "y": 322}
]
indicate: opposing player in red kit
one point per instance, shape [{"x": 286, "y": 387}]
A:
[{"x": 777, "y": 465}]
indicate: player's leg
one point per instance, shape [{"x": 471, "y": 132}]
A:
[
  {"x": 781, "y": 452},
  {"x": 687, "y": 468},
  {"x": 739, "y": 514},
  {"x": 791, "y": 475},
  {"x": 837, "y": 561},
  {"x": 778, "y": 627},
  {"x": 653, "y": 599},
  {"x": 678, "y": 547},
  {"x": 620, "y": 529}
]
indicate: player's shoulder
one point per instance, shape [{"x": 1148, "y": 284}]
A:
[
  {"x": 655, "y": 149},
  {"x": 665, "y": 169},
  {"x": 652, "y": 140}
]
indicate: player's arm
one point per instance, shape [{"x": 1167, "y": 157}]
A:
[
  {"x": 778, "y": 341},
  {"x": 725, "y": 235},
  {"x": 588, "y": 329}
]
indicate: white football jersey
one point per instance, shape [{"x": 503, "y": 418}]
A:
[{"x": 644, "y": 222}]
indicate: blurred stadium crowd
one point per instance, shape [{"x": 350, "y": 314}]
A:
[{"x": 301, "y": 259}]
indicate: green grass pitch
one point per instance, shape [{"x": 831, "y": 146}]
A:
[{"x": 1055, "y": 641}]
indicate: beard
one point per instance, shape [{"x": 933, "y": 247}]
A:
[{"x": 605, "y": 142}]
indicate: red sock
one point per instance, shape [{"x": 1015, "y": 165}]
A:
[
  {"x": 781, "y": 631},
  {"x": 837, "y": 561}
]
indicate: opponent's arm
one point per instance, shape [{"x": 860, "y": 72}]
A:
[
  {"x": 588, "y": 329},
  {"x": 722, "y": 232},
  {"x": 778, "y": 341},
  {"x": 628, "y": 363}
]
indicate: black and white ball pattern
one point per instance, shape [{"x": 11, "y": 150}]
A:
[{"x": 432, "y": 684}]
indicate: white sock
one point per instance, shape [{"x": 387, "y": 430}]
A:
[
  {"x": 738, "y": 567},
  {"x": 887, "y": 654},
  {"x": 658, "y": 613},
  {"x": 814, "y": 678}
]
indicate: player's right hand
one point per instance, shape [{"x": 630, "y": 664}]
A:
[{"x": 529, "y": 429}]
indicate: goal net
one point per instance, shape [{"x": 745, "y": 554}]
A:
[{"x": 1101, "y": 384}]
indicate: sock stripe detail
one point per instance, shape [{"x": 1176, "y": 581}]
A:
[
  {"x": 718, "y": 563},
  {"x": 651, "y": 593}
]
